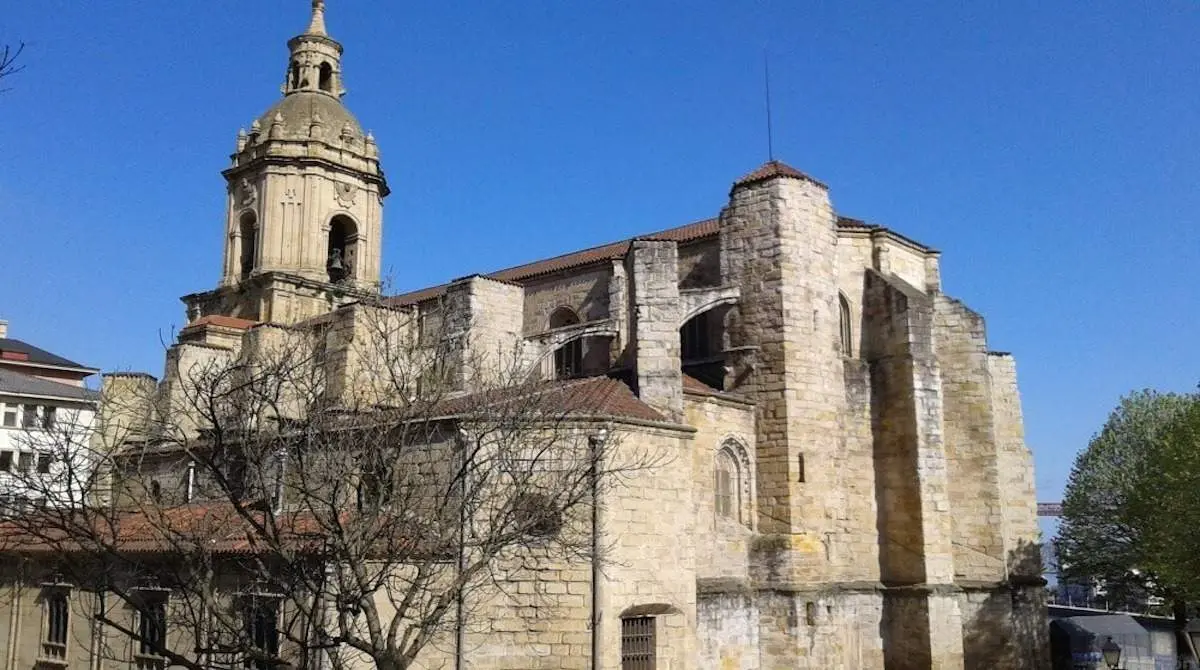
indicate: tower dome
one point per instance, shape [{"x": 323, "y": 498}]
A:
[
  {"x": 299, "y": 113},
  {"x": 304, "y": 214}
]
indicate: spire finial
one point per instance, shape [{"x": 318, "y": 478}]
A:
[{"x": 317, "y": 25}]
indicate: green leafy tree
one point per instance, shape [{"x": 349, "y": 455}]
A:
[
  {"x": 1102, "y": 539},
  {"x": 1118, "y": 529},
  {"x": 1167, "y": 507}
]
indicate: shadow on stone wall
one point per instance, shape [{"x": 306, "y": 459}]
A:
[{"x": 1005, "y": 624}]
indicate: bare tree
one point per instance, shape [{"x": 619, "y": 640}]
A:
[
  {"x": 8, "y": 61},
  {"x": 353, "y": 488}
]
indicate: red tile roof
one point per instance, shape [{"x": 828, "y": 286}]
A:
[
  {"x": 606, "y": 252},
  {"x": 772, "y": 169},
  {"x": 692, "y": 232},
  {"x": 585, "y": 397},
  {"x": 210, "y": 527}
]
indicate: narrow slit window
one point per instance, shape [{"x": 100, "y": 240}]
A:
[{"x": 846, "y": 336}]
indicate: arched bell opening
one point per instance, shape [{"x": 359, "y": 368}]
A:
[
  {"x": 248, "y": 235},
  {"x": 325, "y": 78},
  {"x": 341, "y": 253}
]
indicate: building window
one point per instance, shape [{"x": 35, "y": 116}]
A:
[
  {"x": 57, "y": 620},
  {"x": 637, "y": 643},
  {"x": 844, "y": 321},
  {"x": 536, "y": 515},
  {"x": 262, "y": 630},
  {"x": 49, "y": 417},
  {"x": 728, "y": 486},
  {"x": 25, "y": 462},
  {"x": 29, "y": 416},
  {"x": 10, "y": 416},
  {"x": 43, "y": 463},
  {"x": 6, "y": 461},
  {"x": 568, "y": 360},
  {"x": 152, "y": 625}
]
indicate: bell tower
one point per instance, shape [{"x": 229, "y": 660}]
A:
[{"x": 304, "y": 210}]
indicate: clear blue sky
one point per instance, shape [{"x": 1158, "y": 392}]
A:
[{"x": 1050, "y": 150}]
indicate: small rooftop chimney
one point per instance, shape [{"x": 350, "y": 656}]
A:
[{"x": 3, "y": 329}]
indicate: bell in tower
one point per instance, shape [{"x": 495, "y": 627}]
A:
[{"x": 304, "y": 216}]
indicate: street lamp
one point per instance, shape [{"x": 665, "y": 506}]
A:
[{"x": 1112, "y": 653}]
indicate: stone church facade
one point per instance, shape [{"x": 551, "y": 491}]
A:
[{"x": 849, "y": 486}]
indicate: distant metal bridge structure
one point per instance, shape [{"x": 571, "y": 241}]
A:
[{"x": 1049, "y": 509}]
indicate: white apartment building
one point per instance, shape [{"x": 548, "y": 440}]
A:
[{"x": 46, "y": 419}]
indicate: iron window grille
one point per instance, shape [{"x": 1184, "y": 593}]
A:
[{"x": 638, "y": 643}]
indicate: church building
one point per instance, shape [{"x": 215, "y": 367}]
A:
[{"x": 848, "y": 484}]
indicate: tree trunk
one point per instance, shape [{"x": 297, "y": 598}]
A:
[{"x": 1186, "y": 654}]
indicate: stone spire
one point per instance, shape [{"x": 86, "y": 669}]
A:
[
  {"x": 317, "y": 25},
  {"x": 316, "y": 59}
]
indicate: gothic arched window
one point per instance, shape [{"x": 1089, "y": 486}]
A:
[
  {"x": 732, "y": 487},
  {"x": 846, "y": 336},
  {"x": 727, "y": 485},
  {"x": 248, "y": 229}
]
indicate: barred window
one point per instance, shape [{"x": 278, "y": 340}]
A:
[
  {"x": 152, "y": 625},
  {"x": 262, "y": 629},
  {"x": 637, "y": 643},
  {"x": 568, "y": 360},
  {"x": 57, "y": 618}
]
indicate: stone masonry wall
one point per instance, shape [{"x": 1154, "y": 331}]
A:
[
  {"x": 820, "y": 629},
  {"x": 486, "y": 316},
  {"x": 719, "y": 423},
  {"x": 778, "y": 247},
  {"x": 971, "y": 448},
  {"x": 187, "y": 363},
  {"x": 1022, "y": 537},
  {"x": 655, "y": 312},
  {"x": 700, "y": 264},
  {"x": 587, "y": 293},
  {"x": 650, "y": 537},
  {"x": 922, "y": 621}
]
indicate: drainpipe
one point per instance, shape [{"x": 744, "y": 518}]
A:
[
  {"x": 460, "y": 628},
  {"x": 100, "y": 609},
  {"x": 191, "y": 482},
  {"x": 14, "y": 624},
  {"x": 595, "y": 442},
  {"x": 277, "y": 495}
]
